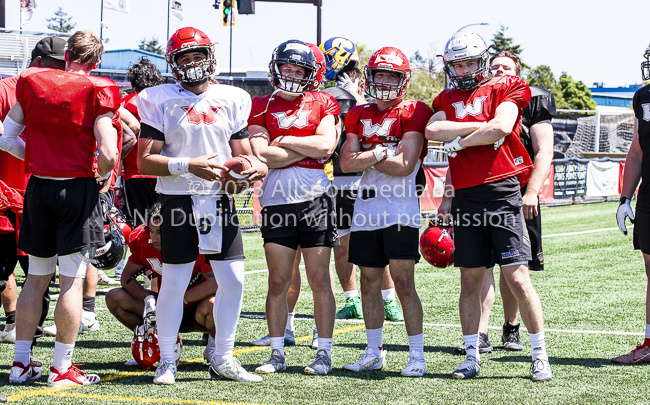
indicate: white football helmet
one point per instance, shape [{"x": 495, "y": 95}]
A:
[{"x": 465, "y": 46}]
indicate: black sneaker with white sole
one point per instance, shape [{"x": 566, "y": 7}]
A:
[
  {"x": 484, "y": 345},
  {"x": 510, "y": 338}
]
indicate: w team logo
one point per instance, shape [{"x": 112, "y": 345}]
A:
[
  {"x": 199, "y": 117},
  {"x": 383, "y": 129},
  {"x": 299, "y": 120},
  {"x": 646, "y": 111},
  {"x": 473, "y": 109}
]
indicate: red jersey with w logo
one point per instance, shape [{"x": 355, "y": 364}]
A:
[{"x": 478, "y": 165}]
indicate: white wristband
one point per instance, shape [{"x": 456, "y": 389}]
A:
[
  {"x": 379, "y": 154},
  {"x": 178, "y": 165}
]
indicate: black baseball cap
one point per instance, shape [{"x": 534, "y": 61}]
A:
[{"x": 51, "y": 47}]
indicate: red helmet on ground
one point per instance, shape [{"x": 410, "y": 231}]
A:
[
  {"x": 146, "y": 351},
  {"x": 320, "y": 61},
  {"x": 190, "y": 39},
  {"x": 437, "y": 245},
  {"x": 391, "y": 60}
]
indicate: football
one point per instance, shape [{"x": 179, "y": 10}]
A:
[{"x": 235, "y": 166}]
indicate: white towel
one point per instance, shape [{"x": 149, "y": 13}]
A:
[{"x": 209, "y": 223}]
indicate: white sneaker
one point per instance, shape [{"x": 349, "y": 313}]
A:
[
  {"x": 369, "y": 360},
  {"x": 89, "y": 322},
  {"x": 273, "y": 365},
  {"x": 20, "y": 373},
  {"x": 51, "y": 330},
  {"x": 416, "y": 367},
  {"x": 289, "y": 339},
  {"x": 103, "y": 279},
  {"x": 73, "y": 376},
  {"x": 165, "y": 373},
  {"x": 120, "y": 268},
  {"x": 9, "y": 334},
  {"x": 232, "y": 370}
]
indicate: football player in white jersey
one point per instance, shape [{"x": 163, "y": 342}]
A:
[{"x": 189, "y": 130}]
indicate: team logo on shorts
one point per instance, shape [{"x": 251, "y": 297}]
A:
[
  {"x": 197, "y": 117},
  {"x": 540, "y": 257},
  {"x": 510, "y": 254}
]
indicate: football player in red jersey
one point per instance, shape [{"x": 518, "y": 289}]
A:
[
  {"x": 131, "y": 303},
  {"x": 479, "y": 119},
  {"x": 48, "y": 53},
  {"x": 62, "y": 218},
  {"x": 188, "y": 130},
  {"x": 294, "y": 131},
  {"x": 385, "y": 140},
  {"x": 636, "y": 167}
]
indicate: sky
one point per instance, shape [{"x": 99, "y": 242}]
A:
[{"x": 595, "y": 41}]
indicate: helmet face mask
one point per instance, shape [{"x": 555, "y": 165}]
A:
[
  {"x": 185, "y": 40},
  {"x": 293, "y": 52},
  {"x": 388, "y": 60},
  {"x": 645, "y": 66},
  {"x": 465, "y": 46},
  {"x": 320, "y": 64}
]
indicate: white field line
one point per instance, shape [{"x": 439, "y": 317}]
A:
[{"x": 555, "y": 235}]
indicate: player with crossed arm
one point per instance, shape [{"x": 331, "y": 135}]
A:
[
  {"x": 189, "y": 130},
  {"x": 386, "y": 141},
  {"x": 479, "y": 119},
  {"x": 62, "y": 218}
]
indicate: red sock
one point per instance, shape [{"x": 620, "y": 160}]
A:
[{"x": 646, "y": 342}]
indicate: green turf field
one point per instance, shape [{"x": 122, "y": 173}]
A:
[{"x": 593, "y": 294}]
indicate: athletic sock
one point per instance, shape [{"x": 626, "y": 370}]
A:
[
  {"x": 471, "y": 345},
  {"x": 10, "y": 317},
  {"x": 167, "y": 345},
  {"x": 211, "y": 342},
  {"x": 646, "y": 342},
  {"x": 62, "y": 356},
  {"x": 351, "y": 294},
  {"x": 416, "y": 342},
  {"x": 325, "y": 344},
  {"x": 89, "y": 304},
  {"x": 277, "y": 343},
  {"x": 375, "y": 338},
  {"x": 539, "y": 345},
  {"x": 22, "y": 351},
  {"x": 290, "y": 325},
  {"x": 388, "y": 294}
]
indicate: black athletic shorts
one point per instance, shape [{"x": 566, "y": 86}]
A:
[
  {"x": 180, "y": 239},
  {"x": 189, "y": 323},
  {"x": 534, "y": 226},
  {"x": 345, "y": 208},
  {"x": 140, "y": 195},
  {"x": 306, "y": 224},
  {"x": 375, "y": 248},
  {"x": 641, "y": 237},
  {"x": 489, "y": 225},
  {"x": 61, "y": 217}
]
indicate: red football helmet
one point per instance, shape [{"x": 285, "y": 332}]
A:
[
  {"x": 120, "y": 219},
  {"x": 437, "y": 245},
  {"x": 320, "y": 62},
  {"x": 185, "y": 40},
  {"x": 391, "y": 60},
  {"x": 146, "y": 351}
]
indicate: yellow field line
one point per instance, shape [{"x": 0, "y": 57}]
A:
[
  {"x": 54, "y": 391},
  {"x": 143, "y": 400}
]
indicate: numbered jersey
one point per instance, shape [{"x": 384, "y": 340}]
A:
[
  {"x": 304, "y": 180},
  {"x": 641, "y": 104},
  {"x": 143, "y": 253},
  {"x": 478, "y": 165},
  {"x": 194, "y": 125}
]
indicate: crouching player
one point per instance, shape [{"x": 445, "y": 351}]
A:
[{"x": 128, "y": 303}]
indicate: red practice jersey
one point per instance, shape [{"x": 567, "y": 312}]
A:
[
  {"x": 374, "y": 127},
  {"x": 299, "y": 117},
  {"x": 478, "y": 165},
  {"x": 143, "y": 253},
  {"x": 60, "y": 111},
  {"x": 12, "y": 169},
  {"x": 131, "y": 160}
]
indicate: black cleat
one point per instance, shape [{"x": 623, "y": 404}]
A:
[
  {"x": 510, "y": 338},
  {"x": 484, "y": 345}
]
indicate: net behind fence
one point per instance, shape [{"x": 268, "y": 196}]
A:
[{"x": 575, "y": 133}]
